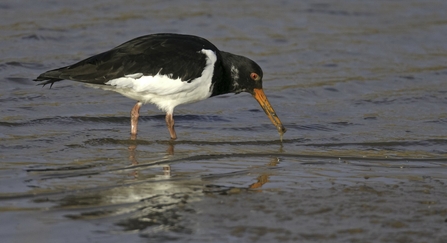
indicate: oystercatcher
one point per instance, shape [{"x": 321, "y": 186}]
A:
[{"x": 167, "y": 70}]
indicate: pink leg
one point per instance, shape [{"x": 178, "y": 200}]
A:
[
  {"x": 134, "y": 114},
  {"x": 170, "y": 123}
]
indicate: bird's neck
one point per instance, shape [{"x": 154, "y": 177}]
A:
[{"x": 228, "y": 81}]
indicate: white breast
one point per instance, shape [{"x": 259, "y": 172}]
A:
[{"x": 164, "y": 91}]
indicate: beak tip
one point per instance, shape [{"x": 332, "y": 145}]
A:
[{"x": 282, "y": 129}]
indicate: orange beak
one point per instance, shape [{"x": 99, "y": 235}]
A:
[{"x": 265, "y": 104}]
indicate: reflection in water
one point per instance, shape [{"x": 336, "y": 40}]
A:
[
  {"x": 133, "y": 158},
  {"x": 157, "y": 204},
  {"x": 152, "y": 203},
  {"x": 264, "y": 178},
  {"x": 138, "y": 207}
]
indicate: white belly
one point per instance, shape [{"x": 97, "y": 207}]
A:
[{"x": 164, "y": 91}]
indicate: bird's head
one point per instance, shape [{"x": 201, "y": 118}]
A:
[{"x": 246, "y": 76}]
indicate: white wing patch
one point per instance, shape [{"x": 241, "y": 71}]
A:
[{"x": 164, "y": 91}]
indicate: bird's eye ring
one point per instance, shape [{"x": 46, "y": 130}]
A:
[{"x": 255, "y": 76}]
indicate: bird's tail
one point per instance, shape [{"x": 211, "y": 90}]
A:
[{"x": 49, "y": 77}]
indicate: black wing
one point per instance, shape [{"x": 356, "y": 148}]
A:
[{"x": 167, "y": 54}]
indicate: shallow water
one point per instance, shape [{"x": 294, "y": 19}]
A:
[{"x": 360, "y": 86}]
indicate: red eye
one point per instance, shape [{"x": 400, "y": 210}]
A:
[{"x": 255, "y": 76}]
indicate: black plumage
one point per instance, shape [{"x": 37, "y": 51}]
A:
[{"x": 166, "y": 54}]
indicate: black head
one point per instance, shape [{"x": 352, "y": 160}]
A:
[{"x": 245, "y": 75}]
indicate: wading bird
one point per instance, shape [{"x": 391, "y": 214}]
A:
[{"x": 167, "y": 70}]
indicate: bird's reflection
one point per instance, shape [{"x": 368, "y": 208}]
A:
[
  {"x": 264, "y": 178},
  {"x": 133, "y": 158},
  {"x": 151, "y": 203},
  {"x": 261, "y": 179}
]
